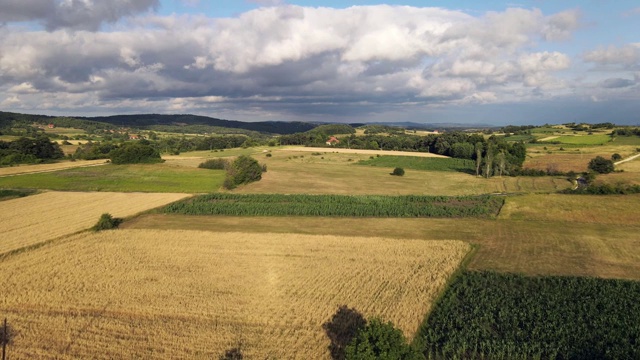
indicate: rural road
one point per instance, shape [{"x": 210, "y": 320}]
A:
[{"x": 627, "y": 159}]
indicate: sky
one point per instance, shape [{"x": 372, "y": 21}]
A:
[{"x": 466, "y": 61}]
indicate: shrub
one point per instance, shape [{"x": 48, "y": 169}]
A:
[
  {"x": 214, "y": 164},
  {"x": 243, "y": 170},
  {"x": 379, "y": 340},
  {"x": 268, "y": 155},
  {"x": 616, "y": 157},
  {"x": 601, "y": 165},
  {"x": 107, "y": 222},
  {"x": 398, "y": 171}
]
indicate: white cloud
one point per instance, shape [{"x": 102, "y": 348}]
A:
[
  {"x": 294, "y": 60},
  {"x": 627, "y": 56}
]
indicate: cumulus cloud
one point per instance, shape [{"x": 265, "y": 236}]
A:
[
  {"x": 627, "y": 56},
  {"x": 72, "y": 14},
  {"x": 282, "y": 59}
]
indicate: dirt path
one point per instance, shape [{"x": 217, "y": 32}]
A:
[
  {"x": 549, "y": 138},
  {"x": 627, "y": 159},
  {"x": 367, "y": 152},
  {"x": 44, "y": 168}
]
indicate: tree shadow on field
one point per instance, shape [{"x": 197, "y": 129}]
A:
[{"x": 342, "y": 328}]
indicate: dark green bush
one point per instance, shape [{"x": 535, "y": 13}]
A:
[
  {"x": 135, "y": 153},
  {"x": 398, "y": 171},
  {"x": 380, "y": 340},
  {"x": 601, "y": 165},
  {"x": 243, "y": 170},
  {"x": 214, "y": 164},
  {"x": 107, "y": 222}
]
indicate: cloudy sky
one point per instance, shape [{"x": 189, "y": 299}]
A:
[{"x": 496, "y": 62}]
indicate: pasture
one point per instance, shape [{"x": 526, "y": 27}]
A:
[
  {"x": 292, "y": 172},
  {"x": 193, "y": 294},
  {"x": 581, "y": 139},
  {"x": 35, "y": 219}
]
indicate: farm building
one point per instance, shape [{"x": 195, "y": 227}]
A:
[{"x": 332, "y": 141}]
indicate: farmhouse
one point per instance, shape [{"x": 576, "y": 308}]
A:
[
  {"x": 332, "y": 141},
  {"x": 51, "y": 126}
]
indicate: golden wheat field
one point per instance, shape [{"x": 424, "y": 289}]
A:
[
  {"x": 32, "y": 169},
  {"x": 37, "y": 218},
  {"x": 193, "y": 294}
]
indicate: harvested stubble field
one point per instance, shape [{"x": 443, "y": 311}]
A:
[
  {"x": 606, "y": 246},
  {"x": 41, "y": 168},
  {"x": 34, "y": 219},
  {"x": 193, "y": 294}
]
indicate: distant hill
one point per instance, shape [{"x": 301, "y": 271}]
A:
[{"x": 146, "y": 120}]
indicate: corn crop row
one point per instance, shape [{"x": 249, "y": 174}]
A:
[
  {"x": 485, "y": 315},
  {"x": 337, "y": 205}
]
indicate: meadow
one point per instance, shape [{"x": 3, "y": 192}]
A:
[
  {"x": 421, "y": 163},
  {"x": 122, "y": 178},
  {"x": 291, "y": 172},
  {"x": 193, "y": 294},
  {"x": 582, "y": 139},
  {"x": 31, "y": 220}
]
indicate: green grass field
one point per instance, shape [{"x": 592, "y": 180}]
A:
[
  {"x": 420, "y": 163},
  {"x": 123, "y": 178},
  {"x": 581, "y": 140}
]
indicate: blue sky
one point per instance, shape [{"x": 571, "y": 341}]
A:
[{"x": 498, "y": 62}]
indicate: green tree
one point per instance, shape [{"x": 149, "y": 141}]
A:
[
  {"x": 380, "y": 341},
  {"x": 601, "y": 165},
  {"x": 342, "y": 328},
  {"x": 135, "y": 153},
  {"x": 479, "y": 147}
]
